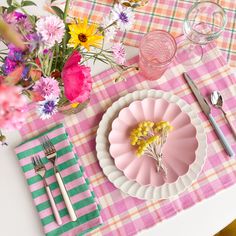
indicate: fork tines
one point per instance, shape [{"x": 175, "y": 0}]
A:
[
  {"x": 37, "y": 162},
  {"x": 47, "y": 144}
]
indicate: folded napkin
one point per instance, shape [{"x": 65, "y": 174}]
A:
[{"x": 79, "y": 190}]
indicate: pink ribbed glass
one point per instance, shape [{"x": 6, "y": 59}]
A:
[{"x": 157, "y": 50}]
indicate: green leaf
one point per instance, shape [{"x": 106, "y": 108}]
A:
[
  {"x": 11, "y": 9},
  {"x": 28, "y": 3},
  {"x": 58, "y": 11},
  {"x": 53, "y": 1},
  {"x": 9, "y": 2}
]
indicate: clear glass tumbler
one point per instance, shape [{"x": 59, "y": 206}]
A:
[{"x": 156, "y": 52}]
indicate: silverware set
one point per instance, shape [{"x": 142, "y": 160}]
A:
[
  {"x": 207, "y": 111},
  {"x": 51, "y": 154}
]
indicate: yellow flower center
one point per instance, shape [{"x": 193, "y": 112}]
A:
[{"x": 82, "y": 38}]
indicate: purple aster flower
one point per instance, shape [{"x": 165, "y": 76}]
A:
[
  {"x": 25, "y": 73},
  {"x": 18, "y": 20},
  {"x": 15, "y": 54},
  {"x": 48, "y": 107},
  {"x": 47, "y": 86},
  {"x": 124, "y": 16},
  {"x": 34, "y": 40},
  {"x": 8, "y": 66},
  {"x": 23, "y": 21}
]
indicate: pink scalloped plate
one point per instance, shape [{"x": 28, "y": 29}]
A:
[{"x": 179, "y": 151}]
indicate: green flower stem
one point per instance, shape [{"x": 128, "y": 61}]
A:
[
  {"x": 66, "y": 10},
  {"x": 33, "y": 64},
  {"x": 56, "y": 54},
  {"x": 50, "y": 62},
  {"x": 113, "y": 23},
  {"x": 64, "y": 19},
  {"x": 42, "y": 64}
]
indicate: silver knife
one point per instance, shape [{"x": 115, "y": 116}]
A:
[{"x": 207, "y": 111}]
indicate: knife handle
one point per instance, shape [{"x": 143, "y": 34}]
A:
[
  {"x": 230, "y": 124},
  {"x": 221, "y": 137}
]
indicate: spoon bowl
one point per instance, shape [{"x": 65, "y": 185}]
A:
[{"x": 217, "y": 99}]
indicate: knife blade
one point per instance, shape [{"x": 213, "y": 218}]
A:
[
  {"x": 207, "y": 111},
  {"x": 201, "y": 100}
]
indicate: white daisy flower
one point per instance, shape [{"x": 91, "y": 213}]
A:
[{"x": 124, "y": 16}]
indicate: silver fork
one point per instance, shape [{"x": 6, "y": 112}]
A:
[
  {"x": 51, "y": 155},
  {"x": 41, "y": 170}
]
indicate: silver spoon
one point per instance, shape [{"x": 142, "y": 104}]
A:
[{"x": 217, "y": 101}]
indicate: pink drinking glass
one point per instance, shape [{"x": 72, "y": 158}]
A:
[{"x": 157, "y": 51}]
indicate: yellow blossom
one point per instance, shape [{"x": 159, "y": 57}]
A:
[{"x": 84, "y": 35}]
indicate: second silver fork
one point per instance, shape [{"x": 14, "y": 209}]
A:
[
  {"x": 41, "y": 170},
  {"x": 51, "y": 155}
]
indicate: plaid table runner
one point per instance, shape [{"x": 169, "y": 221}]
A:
[
  {"x": 160, "y": 14},
  {"x": 124, "y": 215}
]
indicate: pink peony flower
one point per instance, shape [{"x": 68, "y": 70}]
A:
[
  {"x": 47, "y": 86},
  {"x": 12, "y": 106},
  {"x": 51, "y": 29},
  {"x": 77, "y": 79}
]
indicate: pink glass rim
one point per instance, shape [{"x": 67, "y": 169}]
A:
[{"x": 143, "y": 40}]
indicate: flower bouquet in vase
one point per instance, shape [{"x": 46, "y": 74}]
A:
[{"x": 51, "y": 69}]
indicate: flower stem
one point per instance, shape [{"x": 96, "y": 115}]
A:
[
  {"x": 113, "y": 23},
  {"x": 66, "y": 10}
]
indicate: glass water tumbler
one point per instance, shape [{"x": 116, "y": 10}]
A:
[{"x": 156, "y": 52}]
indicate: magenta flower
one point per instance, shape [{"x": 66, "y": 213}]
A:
[
  {"x": 15, "y": 54},
  {"x": 19, "y": 21},
  {"x": 8, "y": 66},
  {"x": 47, "y": 86},
  {"x": 12, "y": 106},
  {"x": 77, "y": 79},
  {"x": 119, "y": 54},
  {"x": 51, "y": 29}
]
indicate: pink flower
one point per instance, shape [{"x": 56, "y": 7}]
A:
[
  {"x": 47, "y": 86},
  {"x": 51, "y": 29},
  {"x": 119, "y": 54},
  {"x": 12, "y": 106},
  {"x": 77, "y": 79}
]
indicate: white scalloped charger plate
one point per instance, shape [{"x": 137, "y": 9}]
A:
[{"x": 132, "y": 187}]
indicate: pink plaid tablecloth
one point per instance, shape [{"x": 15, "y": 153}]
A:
[
  {"x": 124, "y": 215},
  {"x": 160, "y": 14}
]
